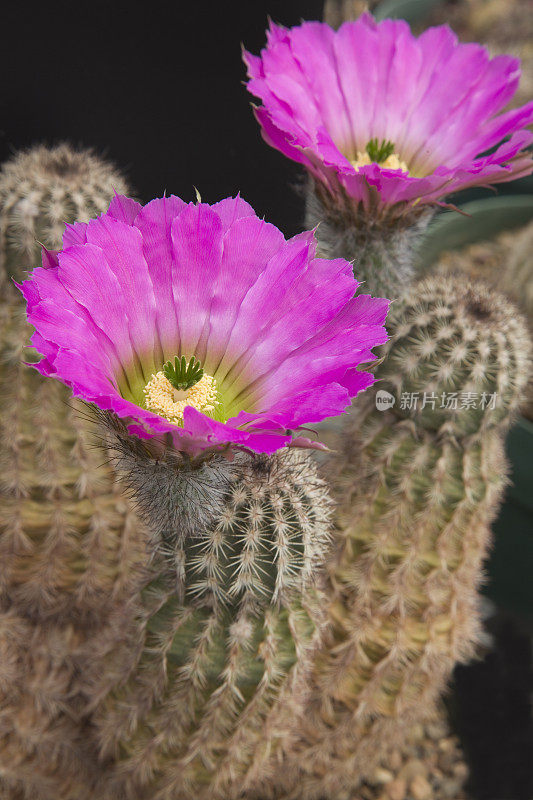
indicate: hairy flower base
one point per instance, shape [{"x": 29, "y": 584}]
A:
[
  {"x": 339, "y": 209},
  {"x": 383, "y": 247},
  {"x": 170, "y": 403}
]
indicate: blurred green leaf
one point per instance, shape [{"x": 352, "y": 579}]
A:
[
  {"x": 410, "y": 10},
  {"x": 486, "y": 218},
  {"x": 509, "y": 565},
  {"x": 519, "y": 448}
]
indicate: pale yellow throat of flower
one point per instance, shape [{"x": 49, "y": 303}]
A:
[
  {"x": 162, "y": 398},
  {"x": 391, "y": 162}
]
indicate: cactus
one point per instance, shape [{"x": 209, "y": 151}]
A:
[
  {"x": 506, "y": 263},
  {"x": 338, "y": 11},
  {"x": 427, "y": 765},
  {"x": 68, "y": 535},
  {"x": 224, "y": 629},
  {"x": 417, "y": 491},
  {"x": 59, "y": 503},
  {"x": 383, "y": 249},
  {"x": 70, "y": 545},
  {"x": 43, "y": 188},
  {"x": 70, "y": 542},
  {"x": 464, "y": 340},
  {"x": 202, "y": 652}
]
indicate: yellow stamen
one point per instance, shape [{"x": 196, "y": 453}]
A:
[
  {"x": 170, "y": 403},
  {"x": 391, "y": 162}
]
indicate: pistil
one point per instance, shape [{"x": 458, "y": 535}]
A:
[
  {"x": 381, "y": 153},
  {"x": 177, "y": 386}
]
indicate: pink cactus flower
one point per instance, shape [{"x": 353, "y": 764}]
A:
[
  {"x": 202, "y": 322},
  {"x": 388, "y": 120}
]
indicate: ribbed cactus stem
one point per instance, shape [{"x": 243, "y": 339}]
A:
[
  {"x": 506, "y": 263},
  {"x": 460, "y": 360},
  {"x": 417, "y": 491},
  {"x": 63, "y": 517},
  {"x": 180, "y": 499},
  {"x": 227, "y": 622},
  {"x": 40, "y": 190},
  {"x": 383, "y": 249},
  {"x": 56, "y": 497},
  {"x": 70, "y": 546},
  {"x": 70, "y": 542}
]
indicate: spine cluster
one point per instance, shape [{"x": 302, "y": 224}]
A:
[
  {"x": 225, "y": 628},
  {"x": 42, "y": 189},
  {"x": 416, "y": 495},
  {"x": 70, "y": 541}
]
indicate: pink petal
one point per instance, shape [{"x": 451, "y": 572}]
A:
[
  {"x": 122, "y": 247},
  {"x": 154, "y": 222},
  {"x": 124, "y": 209},
  {"x": 74, "y": 234},
  {"x": 277, "y": 326},
  {"x": 248, "y": 244},
  {"x": 325, "y": 94},
  {"x": 197, "y": 257}
]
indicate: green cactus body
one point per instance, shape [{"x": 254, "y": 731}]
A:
[
  {"x": 68, "y": 537},
  {"x": 199, "y": 652},
  {"x": 226, "y": 627},
  {"x": 70, "y": 542},
  {"x": 516, "y": 280},
  {"x": 64, "y": 519},
  {"x": 416, "y": 493},
  {"x": 43, "y": 188},
  {"x": 70, "y": 546},
  {"x": 506, "y": 264},
  {"x": 461, "y": 356}
]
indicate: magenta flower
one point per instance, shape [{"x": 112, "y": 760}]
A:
[
  {"x": 202, "y": 322},
  {"x": 383, "y": 117}
]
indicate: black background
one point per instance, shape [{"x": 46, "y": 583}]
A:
[{"x": 157, "y": 87}]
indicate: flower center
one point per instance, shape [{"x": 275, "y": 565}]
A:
[
  {"x": 381, "y": 153},
  {"x": 178, "y": 385}
]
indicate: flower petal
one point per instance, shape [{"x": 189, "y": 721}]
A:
[
  {"x": 327, "y": 93},
  {"x": 154, "y": 223},
  {"x": 122, "y": 247},
  {"x": 248, "y": 245},
  {"x": 124, "y": 209},
  {"x": 197, "y": 257},
  {"x": 278, "y": 327}
]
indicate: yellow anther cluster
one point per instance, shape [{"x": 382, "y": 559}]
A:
[
  {"x": 391, "y": 162},
  {"x": 170, "y": 403}
]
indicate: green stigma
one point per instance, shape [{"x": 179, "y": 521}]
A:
[
  {"x": 379, "y": 151},
  {"x": 181, "y": 375}
]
